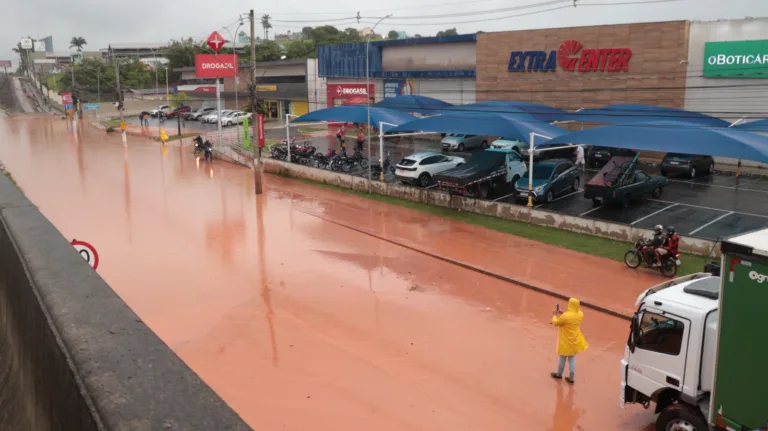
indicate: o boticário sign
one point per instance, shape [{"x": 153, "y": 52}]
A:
[
  {"x": 737, "y": 59},
  {"x": 571, "y": 56}
]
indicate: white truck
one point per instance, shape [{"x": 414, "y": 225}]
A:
[{"x": 698, "y": 348}]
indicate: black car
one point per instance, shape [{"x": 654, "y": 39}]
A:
[
  {"x": 599, "y": 156},
  {"x": 690, "y": 165}
]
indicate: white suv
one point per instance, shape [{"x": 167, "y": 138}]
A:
[{"x": 419, "y": 168}]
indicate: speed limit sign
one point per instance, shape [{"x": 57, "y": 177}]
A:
[{"x": 87, "y": 251}]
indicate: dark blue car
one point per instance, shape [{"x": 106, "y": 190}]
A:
[{"x": 551, "y": 178}]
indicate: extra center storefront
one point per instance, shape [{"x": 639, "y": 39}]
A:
[{"x": 586, "y": 67}]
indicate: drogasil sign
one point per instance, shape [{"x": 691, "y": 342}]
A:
[{"x": 216, "y": 66}]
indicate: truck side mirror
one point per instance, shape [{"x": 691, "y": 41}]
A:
[{"x": 634, "y": 329}]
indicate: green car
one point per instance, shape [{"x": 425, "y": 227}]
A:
[{"x": 620, "y": 182}]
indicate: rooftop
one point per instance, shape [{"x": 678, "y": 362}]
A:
[{"x": 137, "y": 45}]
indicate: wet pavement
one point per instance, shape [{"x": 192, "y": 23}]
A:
[{"x": 300, "y": 316}]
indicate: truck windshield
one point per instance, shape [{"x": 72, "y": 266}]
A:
[{"x": 542, "y": 172}]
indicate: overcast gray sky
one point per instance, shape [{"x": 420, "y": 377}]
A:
[{"x": 102, "y": 23}]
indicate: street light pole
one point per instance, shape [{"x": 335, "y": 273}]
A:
[
  {"x": 237, "y": 77},
  {"x": 368, "y": 96},
  {"x": 255, "y": 134},
  {"x": 157, "y": 86}
]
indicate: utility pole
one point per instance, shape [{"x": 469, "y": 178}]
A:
[
  {"x": 74, "y": 107},
  {"x": 255, "y": 133},
  {"x": 120, "y": 106}
]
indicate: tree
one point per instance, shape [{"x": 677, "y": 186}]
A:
[
  {"x": 301, "y": 49},
  {"x": 417, "y": 35},
  {"x": 393, "y": 34},
  {"x": 179, "y": 99},
  {"x": 449, "y": 32},
  {"x": 77, "y": 42},
  {"x": 268, "y": 51},
  {"x": 266, "y": 25},
  {"x": 306, "y": 32},
  {"x": 181, "y": 53}
]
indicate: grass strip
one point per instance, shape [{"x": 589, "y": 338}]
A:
[{"x": 588, "y": 244}]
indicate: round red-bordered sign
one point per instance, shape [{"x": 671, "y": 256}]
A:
[{"x": 87, "y": 251}]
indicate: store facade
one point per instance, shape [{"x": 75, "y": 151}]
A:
[
  {"x": 728, "y": 70},
  {"x": 586, "y": 67},
  {"x": 439, "y": 67}
]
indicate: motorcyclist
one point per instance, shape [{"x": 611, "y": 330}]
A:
[
  {"x": 656, "y": 242},
  {"x": 671, "y": 244}
]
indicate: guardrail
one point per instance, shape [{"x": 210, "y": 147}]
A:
[{"x": 73, "y": 356}]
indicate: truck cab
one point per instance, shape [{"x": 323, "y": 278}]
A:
[{"x": 694, "y": 348}]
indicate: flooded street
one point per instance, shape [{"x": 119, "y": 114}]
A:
[{"x": 296, "y": 312}]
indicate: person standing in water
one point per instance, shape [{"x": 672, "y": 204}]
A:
[{"x": 570, "y": 340}]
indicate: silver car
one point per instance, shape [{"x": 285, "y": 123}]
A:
[{"x": 454, "y": 142}]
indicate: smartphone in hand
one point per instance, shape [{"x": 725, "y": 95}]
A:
[{"x": 557, "y": 308}]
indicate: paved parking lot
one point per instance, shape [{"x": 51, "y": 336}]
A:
[{"x": 708, "y": 207}]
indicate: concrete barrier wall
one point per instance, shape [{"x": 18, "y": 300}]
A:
[
  {"x": 73, "y": 356},
  {"x": 507, "y": 211}
]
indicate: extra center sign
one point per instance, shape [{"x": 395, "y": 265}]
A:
[{"x": 571, "y": 56}]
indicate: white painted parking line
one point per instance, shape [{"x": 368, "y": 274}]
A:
[
  {"x": 720, "y": 210},
  {"x": 721, "y": 186},
  {"x": 587, "y": 212},
  {"x": 653, "y": 214},
  {"x": 561, "y": 197},
  {"x": 712, "y": 222}
]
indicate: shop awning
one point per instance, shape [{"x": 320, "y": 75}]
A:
[
  {"x": 517, "y": 127},
  {"x": 419, "y": 104},
  {"x": 625, "y": 113},
  {"x": 753, "y": 126},
  {"x": 536, "y": 110},
  {"x": 356, "y": 114},
  {"x": 354, "y": 101},
  {"x": 674, "y": 137}
]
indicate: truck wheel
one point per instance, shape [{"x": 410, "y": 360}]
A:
[
  {"x": 681, "y": 417},
  {"x": 596, "y": 202},
  {"x": 656, "y": 192},
  {"x": 424, "y": 179}
]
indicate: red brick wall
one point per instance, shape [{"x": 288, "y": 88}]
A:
[{"x": 656, "y": 75}]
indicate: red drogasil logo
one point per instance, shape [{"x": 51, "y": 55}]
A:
[{"x": 572, "y": 53}]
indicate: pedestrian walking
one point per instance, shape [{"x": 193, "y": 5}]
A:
[
  {"x": 360, "y": 139},
  {"x": 580, "y": 157},
  {"x": 341, "y": 134},
  {"x": 570, "y": 340}
]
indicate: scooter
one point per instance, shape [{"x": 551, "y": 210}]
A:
[
  {"x": 376, "y": 168},
  {"x": 669, "y": 263}
]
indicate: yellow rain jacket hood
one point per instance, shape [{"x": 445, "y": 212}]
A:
[{"x": 570, "y": 340}]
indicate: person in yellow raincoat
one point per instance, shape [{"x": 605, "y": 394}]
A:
[
  {"x": 163, "y": 136},
  {"x": 570, "y": 340}
]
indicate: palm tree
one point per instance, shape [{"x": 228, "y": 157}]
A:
[
  {"x": 22, "y": 58},
  {"x": 265, "y": 24},
  {"x": 77, "y": 42}
]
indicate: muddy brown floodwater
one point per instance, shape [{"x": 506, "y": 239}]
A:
[{"x": 302, "y": 323}]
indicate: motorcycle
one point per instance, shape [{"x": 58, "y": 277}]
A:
[
  {"x": 208, "y": 151},
  {"x": 347, "y": 162},
  {"x": 302, "y": 154},
  {"x": 669, "y": 263},
  {"x": 278, "y": 152},
  {"x": 322, "y": 161},
  {"x": 199, "y": 146},
  {"x": 388, "y": 166}
]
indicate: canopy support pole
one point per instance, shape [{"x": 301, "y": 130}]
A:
[
  {"x": 738, "y": 165},
  {"x": 530, "y": 164}
]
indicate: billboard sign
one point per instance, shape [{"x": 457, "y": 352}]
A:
[
  {"x": 737, "y": 59},
  {"x": 260, "y": 129},
  {"x": 571, "y": 56},
  {"x": 398, "y": 87},
  {"x": 66, "y": 97},
  {"x": 26, "y": 43},
  {"x": 39, "y": 46},
  {"x": 216, "y": 65},
  {"x": 5, "y": 63},
  {"x": 91, "y": 106},
  {"x": 215, "y": 41},
  {"x": 348, "y": 94}
]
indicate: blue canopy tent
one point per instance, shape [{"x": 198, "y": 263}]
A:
[
  {"x": 418, "y": 104},
  {"x": 753, "y": 126},
  {"x": 674, "y": 136},
  {"x": 511, "y": 126},
  {"x": 356, "y": 114},
  {"x": 536, "y": 110},
  {"x": 625, "y": 113}
]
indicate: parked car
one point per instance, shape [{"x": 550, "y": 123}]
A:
[
  {"x": 213, "y": 117},
  {"x": 489, "y": 170},
  {"x": 687, "y": 164},
  {"x": 509, "y": 144},
  {"x": 551, "y": 178},
  {"x": 162, "y": 108},
  {"x": 553, "y": 151},
  {"x": 195, "y": 115},
  {"x": 178, "y": 111},
  {"x": 453, "y": 142},
  {"x": 420, "y": 168},
  {"x": 599, "y": 156},
  {"x": 235, "y": 117},
  {"x": 620, "y": 181}
]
